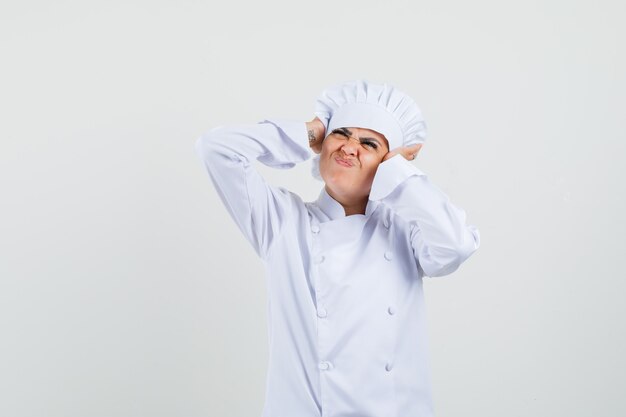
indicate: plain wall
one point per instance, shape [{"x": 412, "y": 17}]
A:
[{"x": 125, "y": 288}]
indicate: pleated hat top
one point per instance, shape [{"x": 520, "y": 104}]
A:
[{"x": 379, "y": 107}]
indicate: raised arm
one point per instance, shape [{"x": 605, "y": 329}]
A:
[
  {"x": 228, "y": 153},
  {"x": 441, "y": 240}
]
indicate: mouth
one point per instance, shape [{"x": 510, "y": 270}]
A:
[{"x": 344, "y": 162}]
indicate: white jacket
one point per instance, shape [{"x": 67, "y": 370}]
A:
[{"x": 347, "y": 321}]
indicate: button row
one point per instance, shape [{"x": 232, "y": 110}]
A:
[
  {"x": 322, "y": 312},
  {"x": 326, "y": 365},
  {"x": 316, "y": 229},
  {"x": 320, "y": 258}
]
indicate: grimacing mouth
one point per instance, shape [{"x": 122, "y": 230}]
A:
[{"x": 351, "y": 161}]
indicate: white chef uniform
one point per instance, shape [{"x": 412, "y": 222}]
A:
[{"x": 347, "y": 320}]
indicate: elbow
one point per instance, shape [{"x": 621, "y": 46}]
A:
[
  {"x": 206, "y": 145},
  {"x": 437, "y": 268},
  {"x": 199, "y": 146},
  {"x": 446, "y": 262},
  {"x": 208, "y": 151},
  {"x": 469, "y": 245},
  {"x": 214, "y": 150}
]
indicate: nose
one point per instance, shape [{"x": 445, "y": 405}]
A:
[{"x": 351, "y": 146}]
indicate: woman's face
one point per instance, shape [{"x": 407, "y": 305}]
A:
[{"x": 349, "y": 159}]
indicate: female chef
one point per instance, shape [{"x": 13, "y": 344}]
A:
[{"x": 346, "y": 316}]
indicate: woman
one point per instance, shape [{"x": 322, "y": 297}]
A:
[{"x": 347, "y": 324}]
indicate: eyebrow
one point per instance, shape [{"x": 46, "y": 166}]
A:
[{"x": 349, "y": 133}]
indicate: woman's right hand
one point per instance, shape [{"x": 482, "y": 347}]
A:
[{"x": 316, "y": 131}]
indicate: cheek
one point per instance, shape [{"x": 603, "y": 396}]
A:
[
  {"x": 329, "y": 145},
  {"x": 370, "y": 164},
  {"x": 324, "y": 158},
  {"x": 328, "y": 148},
  {"x": 370, "y": 170}
]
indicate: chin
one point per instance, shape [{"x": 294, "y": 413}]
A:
[
  {"x": 334, "y": 179},
  {"x": 344, "y": 181},
  {"x": 342, "y": 185}
]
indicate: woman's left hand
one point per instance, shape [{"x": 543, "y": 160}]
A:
[{"x": 409, "y": 152}]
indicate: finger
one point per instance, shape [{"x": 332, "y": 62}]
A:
[
  {"x": 411, "y": 154},
  {"x": 415, "y": 150}
]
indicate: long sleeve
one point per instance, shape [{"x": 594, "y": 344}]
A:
[
  {"x": 227, "y": 153},
  {"x": 440, "y": 238}
]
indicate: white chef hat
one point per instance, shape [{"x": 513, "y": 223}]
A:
[{"x": 380, "y": 107}]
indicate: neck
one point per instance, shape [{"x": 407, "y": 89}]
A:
[{"x": 351, "y": 205}]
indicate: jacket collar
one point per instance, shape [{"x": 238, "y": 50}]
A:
[{"x": 334, "y": 210}]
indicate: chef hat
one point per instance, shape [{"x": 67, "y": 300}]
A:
[{"x": 380, "y": 107}]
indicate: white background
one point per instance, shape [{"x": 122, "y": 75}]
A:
[{"x": 125, "y": 288}]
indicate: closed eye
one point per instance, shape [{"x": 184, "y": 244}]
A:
[
  {"x": 340, "y": 132},
  {"x": 372, "y": 144},
  {"x": 366, "y": 142}
]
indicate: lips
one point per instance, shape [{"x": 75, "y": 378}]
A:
[{"x": 344, "y": 162}]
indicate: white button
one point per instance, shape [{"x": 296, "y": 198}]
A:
[
  {"x": 319, "y": 259},
  {"x": 388, "y": 256},
  {"x": 324, "y": 365},
  {"x": 322, "y": 312},
  {"x": 391, "y": 310},
  {"x": 388, "y": 367},
  {"x": 315, "y": 228},
  {"x": 386, "y": 223}
]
